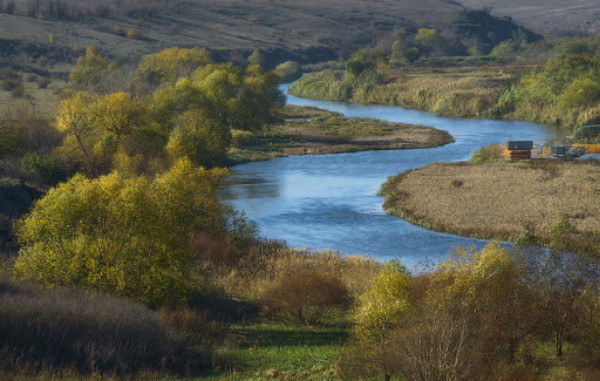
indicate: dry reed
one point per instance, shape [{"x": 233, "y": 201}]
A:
[{"x": 502, "y": 199}]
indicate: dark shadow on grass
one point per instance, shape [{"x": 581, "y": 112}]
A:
[{"x": 293, "y": 337}]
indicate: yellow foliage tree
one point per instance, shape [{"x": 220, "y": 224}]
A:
[
  {"x": 128, "y": 236},
  {"x": 173, "y": 63}
]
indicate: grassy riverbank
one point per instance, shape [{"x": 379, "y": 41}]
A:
[
  {"x": 309, "y": 131},
  {"x": 564, "y": 91},
  {"x": 445, "y": 92},
  {"x": 541, "y": 202}
]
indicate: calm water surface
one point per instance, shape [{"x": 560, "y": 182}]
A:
[{"x": 330, "y": 201}]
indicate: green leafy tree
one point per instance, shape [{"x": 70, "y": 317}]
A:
[{"x": 128, "y": 236}]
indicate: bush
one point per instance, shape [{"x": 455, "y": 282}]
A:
[
  {"x": 239, "y": 138},
  {"x": 306, "y": 297},
  {"x": 134, "y": 33},
  {"x": 43, "y": 82},
  {"x": 46, "y": 169},
  {"x": 487, "y": 154},
  {"x": 289, "y": 71},
  {"x": 66, "y": 328}
]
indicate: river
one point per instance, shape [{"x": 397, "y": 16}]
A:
[{"x": 331, "y": 202}]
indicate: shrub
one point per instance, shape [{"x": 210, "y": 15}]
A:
[
  {"x": 239, "y": 138},
  {"x": 306, "y": 297},
  {"x": 487, "y": 154},
  {"x": 43, "y": 82},
  {"x": 289, "y": 71},
  {"x": 66, "y": 328},
  {"x": 8, "y": 84},
  {"x": 134, "y": 33},
  {"x": 46, "y": 169}
]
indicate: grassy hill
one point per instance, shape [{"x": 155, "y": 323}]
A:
[
  {"x": 548, "y": 16},
  {"x": 307, "y": 31}
]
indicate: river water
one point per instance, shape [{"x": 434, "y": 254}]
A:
[{"x": 331, "y": 202}]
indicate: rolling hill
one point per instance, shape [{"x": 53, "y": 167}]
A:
[
  {"x": 307, "y": 31},
  {"x": 552, "y": 17}
]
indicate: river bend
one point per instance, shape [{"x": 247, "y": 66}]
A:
[{"x": 331, "y": 202}]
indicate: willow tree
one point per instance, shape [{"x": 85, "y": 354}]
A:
[{"x": 124, "y": 235}]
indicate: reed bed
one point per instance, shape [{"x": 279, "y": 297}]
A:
[
  {"x": 504, "y": 200},
  {"x": 462, "y": 94},
  {"x": 443, "y": 95}
]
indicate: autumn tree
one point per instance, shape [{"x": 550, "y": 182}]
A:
[
  {"x": 256, "y": 58},
  {"x": 128, "y": 236},
  {"x": 381, "y": 309},
  {"x": 96, "y": 126},
  {"x": 171, "y": 64},
  {"x": 91, "y": 69},
  {"x": 73, "y": 120}
]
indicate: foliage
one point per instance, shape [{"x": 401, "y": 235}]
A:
[
  {"x": 256, "y": 58},
  {"x": 12, "y": 137},
  {"x": 170, "y": 64},
  {"x": 306, "y": 297},
  {"x": 187, "y": 117},
  {"x": 90, "y": 70},
  {"x": 560, "y": 91},
  {"x": 48, "y": 170},
  {"x": 487, "y": 154},
  {"x": 381, "y": 309},
  {"x": 480, "y": 315},
  {"x": 59, "y": 329},
  {"x": 289, "y": 71},
  {"x": 124, "y": 235}
]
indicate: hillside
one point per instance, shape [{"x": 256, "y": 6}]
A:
[
  {"x": 549, "y": 16},
  {"x": 307, "y": 31}
]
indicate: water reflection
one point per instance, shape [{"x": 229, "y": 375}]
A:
[{"x": 331, "y": 202}]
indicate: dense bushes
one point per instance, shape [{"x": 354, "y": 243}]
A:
[
  {"x": 306, "y": 297},
  {"x": 481, "y": 315},
  {"x": 123, "y": 235},
  {"x": 68, "y": 329}
]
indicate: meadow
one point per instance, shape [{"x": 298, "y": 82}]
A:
[
  {"x": 309, "y": 131},
  {"x": 537, "y": 202}
]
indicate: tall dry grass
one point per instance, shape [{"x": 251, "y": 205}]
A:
[
  {"x": 443, "y": 95},
  {"x": 547, "y": 202},
  {"x": 263, "y": 266},
  {"x": 448, "y": 95},
  {"x": 67, "y": 330}
]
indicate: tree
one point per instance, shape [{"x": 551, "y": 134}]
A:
[
  {"x": 380, "y": 310},
  {"x": 492, "y": 288},
  {"x": 256, "y": 58},
  {"x": 428, "y": 38},
  {"x": 171, "y": 64},
  {"x": 124, "y": 235},
  {"x": 201, "y": 140},
  {"x": 90, "y": 70},
  {"x": 73, "y": 121}
]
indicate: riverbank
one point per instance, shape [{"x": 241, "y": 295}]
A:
[
  {"x": 552, "y": 203},
  {"x": 563, "y": 92},
  {"x": 311, "y": 131},
  {"x": 444, "y": 92}
]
